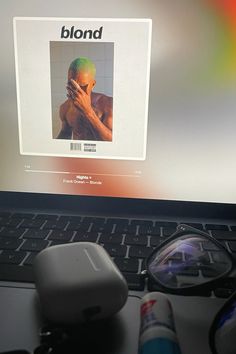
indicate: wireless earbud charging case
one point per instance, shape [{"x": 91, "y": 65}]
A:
[{"x": 78, "y": 282}]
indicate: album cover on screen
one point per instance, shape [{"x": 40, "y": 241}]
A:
[{"x": 83, "y": 86}]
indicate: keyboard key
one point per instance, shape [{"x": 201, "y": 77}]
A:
[
  {"x": 34, "y": 233},
  {"x": 84, "y": 225},
  {"x": 34, "y": 245},
  {"x": 142, "y": 223},
  {"x": 73, "y": 225},
  {"x": 68, "y": 218},
  {"x": 209, "y": 246},
  {"x": 46, "y": 217},
  {"x": 10, "y": 222},
  {"x": 129, "y": 229},
  {"x": 127, "y": 264},
  {"x": 94, "y": 220},
  {"x": 139, "y": 251},
  {"x": 204, "y": 258},
  {"x": 9, "y": 232},
  {"x": 224, "y": 235},
  {"x": 7, "y": 243},
  {"x": 111, "y": 238},
  {"x": 168, "y": 231},
  {"x": 116, "y": 250},
  {"x": 61, "y": 235},
  {"x": 167, "y": 224},
  {"x": 149, "y": 230},
  {"x": 77, "y": 226},
  {"x": 136, "y": 240},
  {"x": 32, "y": 223},
  {"x": 195, "y": 225},
  {"x": 135, "y": 281},
  {"x": 116, "y": 221},
  {"x": 23, "y": 215},
  {"x": 216, "y": 227},
  {"x": 219, "y": 257},
  {"x": 86, "y": 236},
  {"x": 12, "y": 257},
  {"x": 57, "y": 243},
  {"x": 102, "y": 228},
  {"x": 155, "y": 241},
  {"x": 55, "y": 225},
  {"x": 187, "y": 271},
  {"x": 223, "y": 243}
]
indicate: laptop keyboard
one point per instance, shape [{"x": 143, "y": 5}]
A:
[{"x": 128, "y": 242}]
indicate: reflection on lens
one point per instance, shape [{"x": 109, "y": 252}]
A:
[{"x": 187, "y": 261}]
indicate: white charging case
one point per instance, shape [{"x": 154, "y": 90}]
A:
[{"x": 78, "y": 282}]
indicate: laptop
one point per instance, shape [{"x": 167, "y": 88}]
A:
[{"x": 150, "y": 145}]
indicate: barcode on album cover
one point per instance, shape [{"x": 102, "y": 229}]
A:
[
  {"x": 90, "y": 147},
  {"x": 75, "y": 146}
]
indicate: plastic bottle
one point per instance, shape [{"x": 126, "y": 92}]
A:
[{"x": 157, "y": 331}]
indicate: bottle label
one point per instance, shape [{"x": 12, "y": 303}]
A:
[
  {"x": 159, "y": 346},
  {"x": 150, "y": 317}
]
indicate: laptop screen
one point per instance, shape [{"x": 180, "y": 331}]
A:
[{"x": 132, "y": 99}]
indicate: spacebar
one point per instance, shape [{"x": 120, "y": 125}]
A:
[{"x": 11, "y": 272}]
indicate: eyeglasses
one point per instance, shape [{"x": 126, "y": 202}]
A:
[
  {"x": 188, "y": 260},
  {"x": 192, "y": 260}
]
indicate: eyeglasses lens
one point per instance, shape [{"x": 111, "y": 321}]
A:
[{"x": 187, "y": 261}]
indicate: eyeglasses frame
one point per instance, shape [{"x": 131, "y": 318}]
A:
[{"x": 215, "y": 322}]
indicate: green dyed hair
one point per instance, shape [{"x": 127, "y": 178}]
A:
[{"x": 82, "y": 64}]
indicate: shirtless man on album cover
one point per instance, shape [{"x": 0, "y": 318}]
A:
[{"x": 85, "y": 115}]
